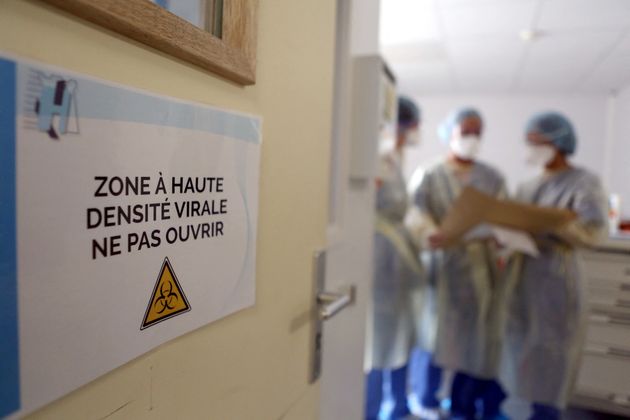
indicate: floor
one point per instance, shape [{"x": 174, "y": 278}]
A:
[
  {"x": 577, "y": 414},
  {"x": 519, "y": 410},
  {"x": 514, "y": 408}
]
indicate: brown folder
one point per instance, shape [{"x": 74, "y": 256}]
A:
[{"x": 473, "y": 207}]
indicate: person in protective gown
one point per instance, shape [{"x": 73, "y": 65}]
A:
[
  {"x": 545, "y": 295},
  {"x": 397, "y": 278},
  {"x": 465, "y": 275}
]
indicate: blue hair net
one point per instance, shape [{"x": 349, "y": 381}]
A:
[
  {"x": 408, "y": 112},
  {"x": 454, "y": 119},
  {"x": 556, "y": 128}
]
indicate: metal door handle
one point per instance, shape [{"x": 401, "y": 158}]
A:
[
  {"x": 332, "y": 303},
  {"x": 326, "y": 305}
]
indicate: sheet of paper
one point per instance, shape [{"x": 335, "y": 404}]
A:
[
  {"x": 511, "y": 240},
  {"x": 515, "y": 240}
]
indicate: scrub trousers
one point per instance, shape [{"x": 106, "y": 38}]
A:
[
  {"x": 374, "y": 392},
  {"x": 545, "y": 412},
  {"x": 470, "y": 395},
  {"x": 426, "y": 379}
]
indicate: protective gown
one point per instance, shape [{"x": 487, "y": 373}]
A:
[
  {"x": 466, "y": 277},
  {"x": 546, "y": 310},
  {"x": 398, "y": 276}
]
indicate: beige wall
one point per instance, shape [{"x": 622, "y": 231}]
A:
[{"x": 252, "y": 365}]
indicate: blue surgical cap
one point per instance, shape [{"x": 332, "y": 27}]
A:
[
  {"x": 556, "y": 128},
  {"x": 408, "y": 112},
  {"x": 454, "y": 119}
]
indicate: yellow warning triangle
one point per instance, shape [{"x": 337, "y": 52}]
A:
[{"x": 168, "y": 298}]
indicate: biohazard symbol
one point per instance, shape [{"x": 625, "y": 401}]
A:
[{"x": 168, "y": 298}]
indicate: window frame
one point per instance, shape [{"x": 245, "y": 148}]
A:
[{"x": 233, "y": 56}]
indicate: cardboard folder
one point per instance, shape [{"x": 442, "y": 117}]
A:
[{"x": 473, "y": 207}]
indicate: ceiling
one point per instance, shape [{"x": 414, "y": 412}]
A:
[{"x": 477, "y": 46}]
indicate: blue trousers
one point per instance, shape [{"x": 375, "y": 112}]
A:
[
  {"x": 426, "y": 378},
  {"x": 470, "y": 395},
  {"x": 545, "y": 412},
  {"x": 375, "y": 380}
]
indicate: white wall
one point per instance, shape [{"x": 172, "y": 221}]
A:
[
  {"x": 505, "y": 117},
  {"x": 619, "y": 154}
]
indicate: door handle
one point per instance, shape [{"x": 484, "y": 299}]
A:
[
  {"x": 331, "y": 304},
  {"x": 327, "y": 305}
]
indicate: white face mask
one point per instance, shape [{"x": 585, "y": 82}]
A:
[
  {"x": 386, "y": 145},
  {"x": 412, "y": 137},
  {"x": 540, "y": 154},
  {"x": 465, "y": 147}
]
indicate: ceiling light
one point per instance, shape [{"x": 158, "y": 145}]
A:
[{"x": 529, "y": 35}]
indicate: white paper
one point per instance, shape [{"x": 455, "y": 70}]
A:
[
  {"x": 515, "y": 240},
  {"x": 511, "y": 240}
]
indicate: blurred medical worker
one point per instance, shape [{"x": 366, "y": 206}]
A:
[
  {"x": 397, "y": 278},
  {"x": 466, "y": 276},
  {"x": 546, "y": 306}
]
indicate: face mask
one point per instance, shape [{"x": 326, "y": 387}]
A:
[
  {"x": 386, "y": 145},
  {"x": 465, "y": 147},
  {"x": 412, "y": 137},
  {"x": 540, "y": 154}
]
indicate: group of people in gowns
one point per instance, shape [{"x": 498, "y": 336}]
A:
[{"x": 501, "y": 325}]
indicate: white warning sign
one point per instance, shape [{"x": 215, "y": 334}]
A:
[{"x": 137, "y": 224}]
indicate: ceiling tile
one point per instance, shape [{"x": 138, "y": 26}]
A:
[
  {"x": 623, "y": 48},
  {"x": 407, "y": 21},
  {"x": 458, "y": 3},
  {"x": 422, "y": 69},
  {"x": 484, "y": 82},
  {"x": 556, "y": 76},
  {"x": 474, "y": 45},
  {"x": 423, "y": 78},
  {"x": 439, "y": 86},
  {"x": 558, "y": 63},
  {"x": 485, "y": 52},
  {"x": 612, "y": 74},
  {"x": 569, "y": 50},
  {"x": 581, "y": 14},
  {"x": 491, "y": 63},
  {"x": 533, "y": 79},
  {"x": 415, "y": 52},
  {"x": 488, "y": 18}
]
